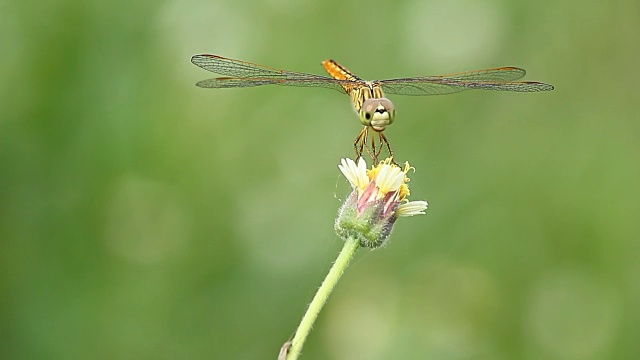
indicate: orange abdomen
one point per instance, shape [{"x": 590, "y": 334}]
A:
[{"x": 338, "y": 71}]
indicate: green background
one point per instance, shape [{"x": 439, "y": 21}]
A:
[{"x": 142, "y": 217}]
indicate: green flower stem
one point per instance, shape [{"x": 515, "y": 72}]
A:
[{"x": 345, "y": 256}]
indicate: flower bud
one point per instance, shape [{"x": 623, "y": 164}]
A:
[{"x": 378, "y": 199}]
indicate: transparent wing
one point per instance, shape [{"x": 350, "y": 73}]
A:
[
  {"x": 499, "y": 79},
  {"x": 228, "y": 82},
  {"x": 245, "y": 74},
  {"x": 498, "y": 74}
]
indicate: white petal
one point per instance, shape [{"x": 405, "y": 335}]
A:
[
  {"x": 356, "y": 174},
  {"x": 412, "y": 208},
  {"x": 389, "y": 178},
  {"x": 361, "y": 171},
  {"x": 345, "y": 168}
]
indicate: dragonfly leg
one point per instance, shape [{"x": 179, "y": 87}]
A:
[
  {"x": 383, "y": 140},
  {"x": 372, "y": 149},
  {"x": 360, "y": 142},
  {"x": 377, "y": 149}
]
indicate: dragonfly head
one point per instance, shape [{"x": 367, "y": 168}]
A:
[{"x": 377, "y": 113}]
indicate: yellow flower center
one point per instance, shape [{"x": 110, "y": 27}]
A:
[{"x": 384, "y": 175}]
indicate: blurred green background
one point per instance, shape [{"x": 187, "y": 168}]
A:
[{"x": 142, "y": 217}]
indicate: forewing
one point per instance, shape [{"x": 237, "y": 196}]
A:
[
  {"x": 499, "y": 79},
  {"x": 245, "y": 74},
  {"x": 416, "y": 87},
  {"x": 234, "y": 68},
  {"x": 508, "y": 73},
  {"x": 439, "y": 87}
]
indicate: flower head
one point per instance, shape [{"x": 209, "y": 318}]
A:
[{"x": 379, "y": 197}]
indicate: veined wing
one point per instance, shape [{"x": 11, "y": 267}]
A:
[
  {"x": 245, "y": 74},
  {"x": 230, "y": 82},
  {"x": 508, "y": 73},
  {"x": 499, "y": 79}
]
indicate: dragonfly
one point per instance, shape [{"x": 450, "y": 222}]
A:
[{"x": 376, "y": 112}]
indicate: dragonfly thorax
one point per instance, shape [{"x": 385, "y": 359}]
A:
[{"x": 377, "y": 113}]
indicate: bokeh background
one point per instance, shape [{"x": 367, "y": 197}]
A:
[{"x": 142, "y": 217}]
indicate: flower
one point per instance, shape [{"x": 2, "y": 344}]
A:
[{"x": 379, "y": 197}]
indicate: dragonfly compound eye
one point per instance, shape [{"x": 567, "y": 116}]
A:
[{"x": 377, "y": 113}]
